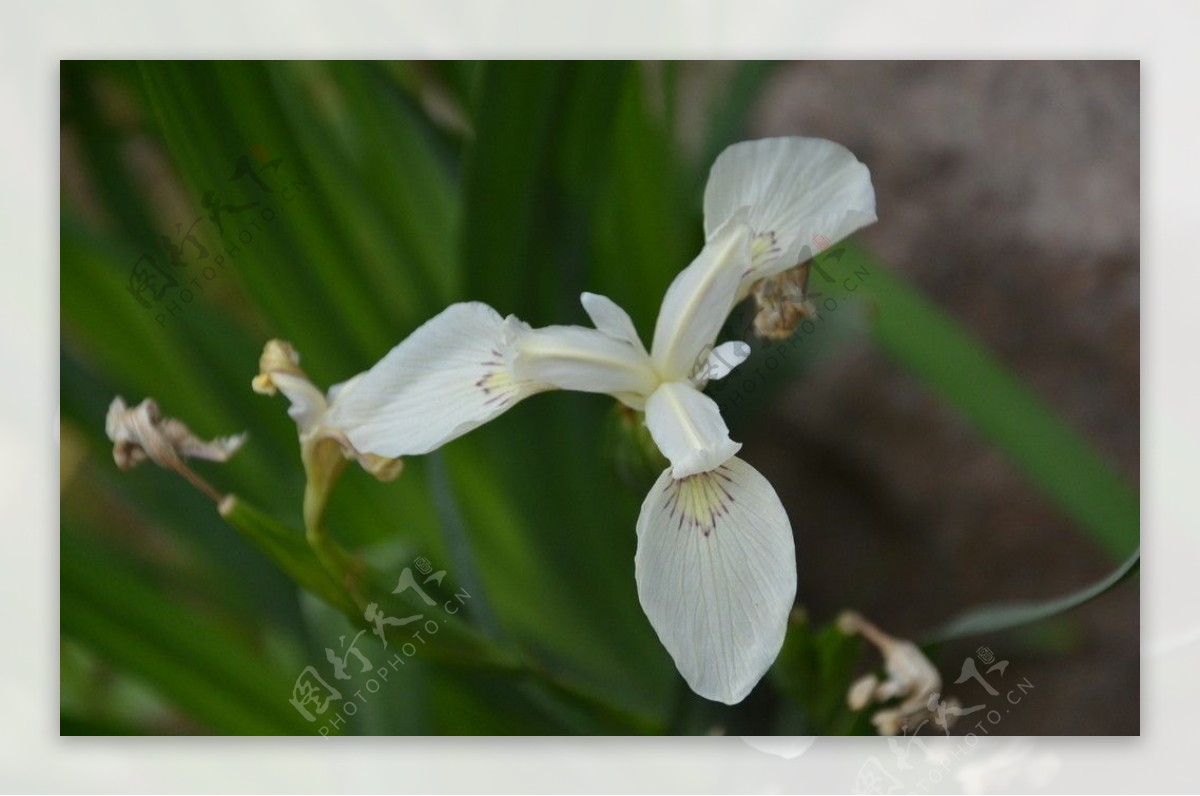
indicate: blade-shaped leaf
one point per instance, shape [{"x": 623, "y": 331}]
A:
[
  {"x": 191, "y": 659},
  {"x": 1003, "y": 616}
]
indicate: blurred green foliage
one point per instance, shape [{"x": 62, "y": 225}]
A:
[{"x": 357, "y": 200}]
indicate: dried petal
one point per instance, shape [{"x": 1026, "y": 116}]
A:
[
  {"x": 278, "y": 356},
  {"x": 143, "y": 433},
  {"x": 911, "y": 677},
  {"x": 783, "y": 303}
]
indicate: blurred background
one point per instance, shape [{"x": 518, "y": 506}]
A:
[{"x": 962, "y": 431}]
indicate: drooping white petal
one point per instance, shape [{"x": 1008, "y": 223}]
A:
[
  {"x": 337, "y": 389},
  {"x": 687, "y": 427},
  {"x": 720, "y": 362},
  {"x": 699, "y": 300},
  {"x": 716, "y": 575},
  {"x": 449, "y": 376},
  {"x": 587, "y": 360},
  {"x": 610, "y": 318},
  {"x": 801, "y": 194}
]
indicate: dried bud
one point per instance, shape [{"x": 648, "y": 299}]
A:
[
  {"x": 911, "y": 677},
  {"x": 782, "y": 302},
  {"x": 143, "y": 433},
  {"x": 277, "y": 357},
  {"x": 862, "y": 692}
]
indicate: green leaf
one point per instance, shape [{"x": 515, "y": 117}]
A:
[
  {"x": 507, "y": 168},
  {"x": 926, "y": 341},
  {"x": 645, "y": 228},
  {"x": 1004, "y": 616},
  {"x": 369, "y": 249},
  {"x": 290, "y": 551},
  {"x": 552, "y": 531},
  {"x": 457, "y": 642},
  {"x": 458, "y": 546},
  {"x": 196, "y": 662},
  {"x": 814, "y": 671}
]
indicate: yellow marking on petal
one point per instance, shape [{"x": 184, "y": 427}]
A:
[
  {"x": 698, "y": 500},
  {"x": 497, "y": 382},
  {"x": 494, "y": 381},
  {"x": 763, "y": 248}
]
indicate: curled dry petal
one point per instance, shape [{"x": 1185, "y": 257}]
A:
[
  {"x": 911, "y": 677},
  {"x": 278, "y": 357},
  {"x": 782, "y": 303},
  {"x": 144, "y": 433}
]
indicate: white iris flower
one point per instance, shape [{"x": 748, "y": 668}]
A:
[{"x": 715, "y": 563}]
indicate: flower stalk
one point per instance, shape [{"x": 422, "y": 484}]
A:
[{"x": 324, "y": 452}]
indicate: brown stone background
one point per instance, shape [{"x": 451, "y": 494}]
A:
[{"x": 1009, "y": 194}]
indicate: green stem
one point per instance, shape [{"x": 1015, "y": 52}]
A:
[
  {"x": 323, "y": 466},
  {"x": 318, "y": 564},
  {"x": 325, "y": 573}
]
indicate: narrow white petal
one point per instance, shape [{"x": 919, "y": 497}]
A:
[
  {"x": 720, "y": 362},
  {"x": 699, "y": 300},
  {"x": 587, "y": 360},
  {"x": 687, "y": 427},
  {"x": 716, "y": 575},
  {"x": 308, "y": 404},
  {"x": 449, "y": 376},
  {"x": 802, "y": 195},
  {"x": 610, "y": 318}
]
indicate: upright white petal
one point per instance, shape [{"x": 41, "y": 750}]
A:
[
  {"x": 699, "y": 300},
  {"x": 716, "y": 575},
  {"x": 279, "y": 370},
  {"x": 449, "y": 376},
  {"x": 308, "y": 404},
  {"x": 687, "y": 427},
  {"x": 610, "y": 318},
  {"x": 587, "y": 360},
  {"x": 801, "y": 194}
]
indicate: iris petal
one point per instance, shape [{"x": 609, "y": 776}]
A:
[{"x": 716, "y": 576}]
